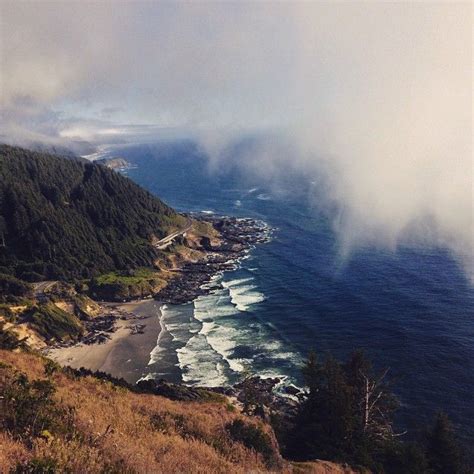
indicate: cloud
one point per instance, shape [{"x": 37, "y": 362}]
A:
[{"x": 375, "y": 96}]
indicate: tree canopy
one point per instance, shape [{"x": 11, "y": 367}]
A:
[{"x": 63, "y": 218}]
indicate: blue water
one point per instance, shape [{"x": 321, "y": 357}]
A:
[{"x": 411, "y": 310}]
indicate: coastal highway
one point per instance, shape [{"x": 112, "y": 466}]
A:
[
  {"x": 168, "y": 240},
  {"x": 40, "y": 289}
]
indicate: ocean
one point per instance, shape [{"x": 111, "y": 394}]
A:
[{"x": 410, "y": 310}]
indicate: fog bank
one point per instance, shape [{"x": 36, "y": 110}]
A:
[{"x": 374, "y": 97}]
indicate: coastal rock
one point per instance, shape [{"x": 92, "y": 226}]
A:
[
  {"x": 173, "y": 391},
  {"x": 193, "y": 279},
  {"x": 292, "y": 390}
]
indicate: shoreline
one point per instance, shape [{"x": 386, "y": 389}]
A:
[
  {"x": 126, "y": 353},
  {"x": 126, "y": 349}
]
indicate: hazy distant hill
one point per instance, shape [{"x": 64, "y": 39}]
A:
[{"x": 65, "y": 218}]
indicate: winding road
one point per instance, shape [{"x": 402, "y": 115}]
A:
[
  {"x": 168, "y": 240},
  {"x": 41, "y": 288}
]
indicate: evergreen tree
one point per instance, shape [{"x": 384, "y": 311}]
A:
[
  {"x": 66, "y": 218},
  {"x": 346, "y": 414},
  {"x": 404, "y": 458},
  {"x": 443, "y": 451}
]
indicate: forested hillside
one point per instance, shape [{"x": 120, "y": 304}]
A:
[{"x": 63, "y": 218}]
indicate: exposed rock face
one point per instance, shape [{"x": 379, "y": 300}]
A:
[
  {"x": 114, "y": 163},
  {"x": 237, "y": 236}
]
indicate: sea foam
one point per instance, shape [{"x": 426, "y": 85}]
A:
[{"x": 243, "y": 293}]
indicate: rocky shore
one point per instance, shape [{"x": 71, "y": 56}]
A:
[
  {"x": 193, "y": 279},
  {"x": 110, "y": 334},
  {"x": 255, "y": 395},
  {"x": 238, "y": 236}
]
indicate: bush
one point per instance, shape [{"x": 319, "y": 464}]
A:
[
  {"x": 28, "y": 408},
  {"x": 7, "y": 313},
  {"x": 253, "y": 437},
  {"x": 8, "y": 339},
  {"x": 38, "y": 466},
  {"x": 11, "y": 286},
  {"x": 54, "y": 323},
  {"x": 32, "y": 276}
]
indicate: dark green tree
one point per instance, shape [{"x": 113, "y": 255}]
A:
[
  {"x": 64, "y": 218},
  {"x": 443, "y": 450},
  {"x": 346, "y": 414}
]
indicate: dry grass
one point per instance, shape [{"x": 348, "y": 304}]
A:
[
  {"x": 11, "y": 453},
  {"x": 120, "y": 431}
]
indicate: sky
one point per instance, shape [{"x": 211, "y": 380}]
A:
[{"x": 376, "y": 97}]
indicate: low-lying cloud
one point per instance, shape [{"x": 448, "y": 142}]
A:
[{"x": 375, "y": 97}]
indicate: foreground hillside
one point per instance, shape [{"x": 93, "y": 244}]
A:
[
  {"x": 53, "y": 419},
  {"x": 64, "y": 218}
]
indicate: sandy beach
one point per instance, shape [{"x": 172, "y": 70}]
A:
[{"x": 125, "y": 354}]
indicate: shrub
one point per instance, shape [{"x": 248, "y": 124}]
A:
[
  {"x": 12, "y": 288},
  {"x": 54, "y": 323},
  {"x": 253, "y": 437},
  {"x": 7, "y": 313},
  {"x": 51, "y": 367},
  {"x": 32, "y": 276},
  {"x": 38, "y": 466},
  {"x": 28, "y": 408},
  {"x": 8, "y": 339}
]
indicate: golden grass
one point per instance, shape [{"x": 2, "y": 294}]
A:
[
  {"x": 120, "y": 431},
  {"x": 11, "y": 453}
]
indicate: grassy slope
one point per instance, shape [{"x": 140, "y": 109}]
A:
[
  {"x": 138, "y": 283},
  {"x": 113, "y": 428}
]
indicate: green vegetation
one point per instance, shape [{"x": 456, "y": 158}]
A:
[
  {"x": 12, "y": 289},
  {"x": 28, "y": 408},
  {"x": 126, "y": 278},
  {"x": 6, "y": 312},
  {"x": 8, "y": 339},
  {"x": 443, "y": 451},
  {"x": 252, "y": 437},
  {"x": 53, "y": 323},
  {"x": 67, "y": 219},
  {"x": 347, "y": 416},
  {"x": 84, "y": 307},
  {"x": 128, "y": 284}
]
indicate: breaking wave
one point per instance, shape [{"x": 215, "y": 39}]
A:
[
  {"x": 243, "y": 293},
  {"x": 218, "y": 337}
]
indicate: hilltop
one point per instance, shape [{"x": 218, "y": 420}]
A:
[{"x": 67, "y": 219}]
